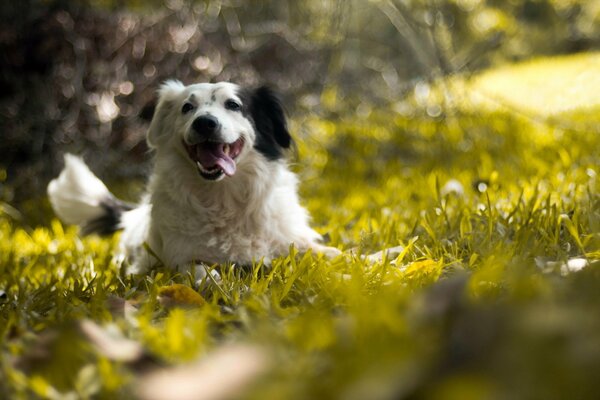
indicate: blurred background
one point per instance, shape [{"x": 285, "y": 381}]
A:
[{"x": 81, "y": 76}]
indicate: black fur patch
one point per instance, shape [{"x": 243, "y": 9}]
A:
[
  {"x": 263, "y": 107},
  {"x": 109, "y": 222}
]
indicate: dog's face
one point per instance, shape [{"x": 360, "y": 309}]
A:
[{"x": 215, "y": 125}]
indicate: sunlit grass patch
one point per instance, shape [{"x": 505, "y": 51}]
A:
[
  {"x": 546, "y": 86},
  {"x": 560, "y": 91}
]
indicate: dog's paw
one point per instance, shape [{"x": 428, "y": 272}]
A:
[
  {"x": 137, "y": 267},
  {"x": 200, "y": 273},
  {"x": 327, "y": 251},
  {"x": 389, "y": 253}
]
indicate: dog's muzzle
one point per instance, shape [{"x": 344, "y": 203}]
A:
[
  {"x": 213, "y": 157},
  {"x": 205, "y": 127}
]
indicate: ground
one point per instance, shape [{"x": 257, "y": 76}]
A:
[{"x": 494, "y": 294}]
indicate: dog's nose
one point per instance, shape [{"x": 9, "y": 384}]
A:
[{"x": 206, "y": 126}]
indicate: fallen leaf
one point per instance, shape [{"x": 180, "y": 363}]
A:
[
  {"x": 178, "y": 295},
  {"x": 110, "y": 342},
  {"x": 221, "y": 375}
]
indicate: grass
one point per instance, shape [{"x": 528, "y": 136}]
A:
[{"x": 493, "y": 210}]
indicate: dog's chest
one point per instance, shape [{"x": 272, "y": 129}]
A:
[{"x": 217, "y": 232}]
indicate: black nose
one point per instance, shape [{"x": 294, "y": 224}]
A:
[{"x": 206, "y": 125}]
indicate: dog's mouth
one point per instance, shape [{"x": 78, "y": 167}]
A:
[{"x": 215, "y": 159}]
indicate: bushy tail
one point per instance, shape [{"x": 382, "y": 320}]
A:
[{"x": 79, "y": 197}]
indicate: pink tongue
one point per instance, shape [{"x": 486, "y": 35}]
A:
[{"x": 211, "y": 155}]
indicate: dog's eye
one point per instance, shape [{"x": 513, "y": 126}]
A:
[
  {"x": 233, "y": 105},
  {"x": 187, "y": 107}
]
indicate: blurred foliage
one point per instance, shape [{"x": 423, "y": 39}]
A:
[{"x": 488, "y": 181}]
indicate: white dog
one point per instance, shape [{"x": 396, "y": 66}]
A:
[{"x": 220, "y": 190}]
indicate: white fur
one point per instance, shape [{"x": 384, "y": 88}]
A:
[
  {"x": 254, "y": 214},
  {"x": 76, "y": 195}
]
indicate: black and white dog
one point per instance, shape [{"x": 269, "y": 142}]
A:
[{"x": 220, "y": 190}]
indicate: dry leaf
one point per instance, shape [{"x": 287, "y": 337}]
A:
[
  {"x": 220, "y": 375},
  {"x": 109, "y": 342},
  {"x": 178, "y": 295}
]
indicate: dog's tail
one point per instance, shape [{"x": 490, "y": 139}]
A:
[{"x": 80, "y": 198}]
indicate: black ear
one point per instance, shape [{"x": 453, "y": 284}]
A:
[{"x": 272, "y": 135}]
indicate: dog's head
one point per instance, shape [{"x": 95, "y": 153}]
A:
[{"x": 215, "y": 125}]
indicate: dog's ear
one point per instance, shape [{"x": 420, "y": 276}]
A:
[
  {"x": 159, "y": 127},
  {"x": 272, "y": 135}
]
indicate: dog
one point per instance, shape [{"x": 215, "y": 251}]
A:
[{"x": 220, "y": 190}]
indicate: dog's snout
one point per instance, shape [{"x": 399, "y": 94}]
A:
[{"x": 206, "y": 125}]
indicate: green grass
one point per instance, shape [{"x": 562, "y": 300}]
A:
[{"x": 479, "y": 305}]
